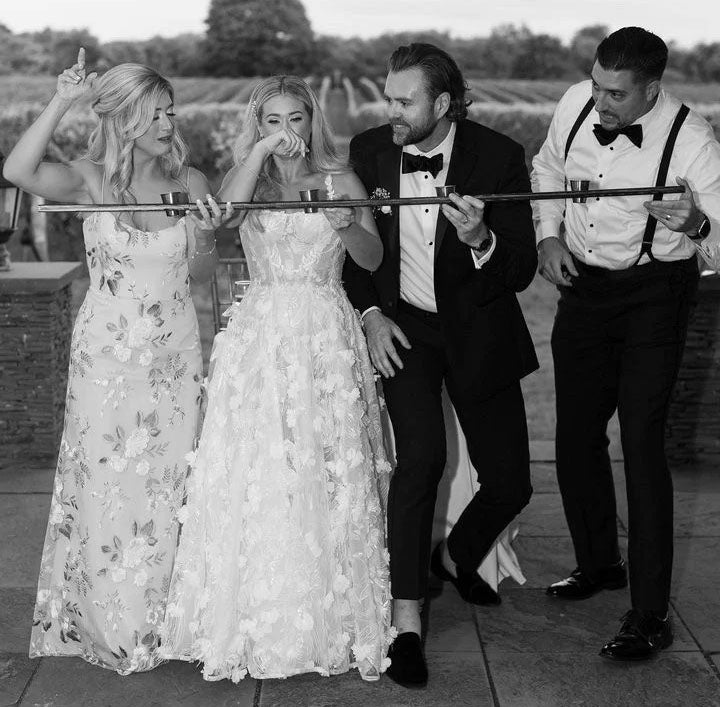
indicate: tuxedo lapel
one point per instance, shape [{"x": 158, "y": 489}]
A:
[
  {"x": 389, "y": 179},
  {"x": 462, "y": 163}
]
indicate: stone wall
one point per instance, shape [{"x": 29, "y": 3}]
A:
[
  {"x": 693, "y": 430},
  {"x": 35, "y": 329}
]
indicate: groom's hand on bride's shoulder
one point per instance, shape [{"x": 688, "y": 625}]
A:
[{"x": 380, "y": 332}]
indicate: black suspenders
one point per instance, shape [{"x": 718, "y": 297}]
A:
[
  {"x": 651, "y": 224},
  {"x": 649, "y": 235},
  {"x": 573, "y": 131},
  {"x": 576, "y": 126}
]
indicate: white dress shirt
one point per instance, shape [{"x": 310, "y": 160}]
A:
[
  {"x": 607, "y": 232},
  {"x": 417, "y": 229}
]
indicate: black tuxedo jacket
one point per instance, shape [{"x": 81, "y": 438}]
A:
[{"x": 487, "y": 341}]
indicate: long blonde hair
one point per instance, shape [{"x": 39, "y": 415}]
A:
[
  {"x": 127, "y": 96},
  {"x": 323, "y": 156}
]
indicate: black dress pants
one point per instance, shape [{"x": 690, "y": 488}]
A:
[
  {"x": 496, "y": 432},
  {"x": 617, "y": 342}
]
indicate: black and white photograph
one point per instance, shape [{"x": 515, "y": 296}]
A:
[{"x": 359, "y": 354}]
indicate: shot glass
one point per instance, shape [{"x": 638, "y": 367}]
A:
[
  {"x": 240, "y": 288},
  {"x": 175, "y": 197},
  {"x": 579, "y": 185},
  {"x": 310, "y": 195},
  {"x": 445, "y": 190}
]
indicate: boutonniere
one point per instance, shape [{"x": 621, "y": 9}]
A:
[{"x": 380, "y": 193}]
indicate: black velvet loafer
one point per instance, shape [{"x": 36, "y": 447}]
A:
[
  {"x": 470, "y": 585},
  {"x": 407, "y": 667}
]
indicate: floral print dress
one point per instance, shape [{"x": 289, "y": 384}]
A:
[
  {"x": 130, "y": 420},
  {"x": 282, "y": 566}
]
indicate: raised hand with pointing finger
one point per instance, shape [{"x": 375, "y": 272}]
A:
[{"x": 75, "y": 82}]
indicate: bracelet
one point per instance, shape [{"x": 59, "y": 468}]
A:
[{"x": 209, "y": 252}]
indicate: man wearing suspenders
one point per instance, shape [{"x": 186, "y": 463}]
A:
[{"x": 626, "y": 268}]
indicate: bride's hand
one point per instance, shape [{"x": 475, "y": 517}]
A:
[
  {"x": 209, "y": 220},
  {"x": 283, "y": 143},
  {"x": 74, "y": 82},
  {"x": 341, "y": 217}
]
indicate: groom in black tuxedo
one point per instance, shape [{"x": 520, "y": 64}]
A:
[{"x": 442, "y": 308}]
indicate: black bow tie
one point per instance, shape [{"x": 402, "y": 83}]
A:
[
  {"x": 420, "y": 163},
  {"x": 605, "y": 136}
]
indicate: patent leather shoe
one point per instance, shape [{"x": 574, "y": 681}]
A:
[
  {"x": 642, "y": 634},
  {"x": 470, "y": 585},
  {"x": 579, "y": 586},
  {"x": 407, "y": 662}
]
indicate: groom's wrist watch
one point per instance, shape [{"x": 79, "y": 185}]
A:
[
  {"x": 481, "y": 247},
  {"x": 702, "y": 231}
]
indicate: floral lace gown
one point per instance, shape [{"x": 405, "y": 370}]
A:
[
  {"x": 131, "y": 417},
  {"x": 282, "y": 566}
]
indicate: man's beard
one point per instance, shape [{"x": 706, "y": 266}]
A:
[{"x": 412, "y": 134}]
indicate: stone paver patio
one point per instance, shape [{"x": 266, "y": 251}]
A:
[{"x": 529, "y": 652}]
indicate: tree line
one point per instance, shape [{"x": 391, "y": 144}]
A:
[{"x": 261, "y": 37}]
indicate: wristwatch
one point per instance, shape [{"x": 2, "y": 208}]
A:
[
  {"x": 703, "y": 230},
  {"x": 483, "y": 246}
]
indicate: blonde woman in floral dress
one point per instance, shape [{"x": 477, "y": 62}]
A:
[
  {"x": 282, "y": 567},
  {"x": 135, "y": 370}
]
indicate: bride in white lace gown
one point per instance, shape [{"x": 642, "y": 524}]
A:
[{"x": 282, "y": 566}]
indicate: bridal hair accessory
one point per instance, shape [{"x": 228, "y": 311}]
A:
[{"x": 380, "y": 193}]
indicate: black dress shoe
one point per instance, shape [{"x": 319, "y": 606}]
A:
[
  {"x": 579, "y": 586},
  {"x": 407, "y": 667},
  {"x": 642, "y": 635},
  {"x": 470, "y": 585}
]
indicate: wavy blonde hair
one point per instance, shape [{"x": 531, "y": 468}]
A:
[
  {"x": 126, "y": 98},
  {"x": 323, "y": 156}
]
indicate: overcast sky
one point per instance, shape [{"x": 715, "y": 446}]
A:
[{"x": 140, "y": 19}]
